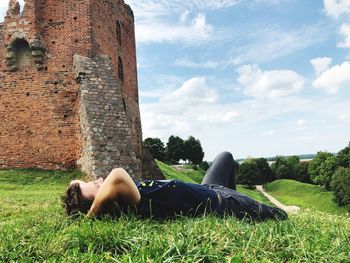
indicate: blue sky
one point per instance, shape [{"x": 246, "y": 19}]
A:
[{"x": 254, "y": 77}]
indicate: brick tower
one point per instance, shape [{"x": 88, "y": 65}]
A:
[{"x": 68, "y": 87}]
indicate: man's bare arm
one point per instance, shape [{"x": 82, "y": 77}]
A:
[{"x": 117, "y": 187}]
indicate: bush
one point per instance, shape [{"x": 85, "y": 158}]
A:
[
  {"x": 174, "y": 149},
  {"x": 204, "y": 165},
  {"x": 156, "y": 148},
  {"x": 340, "y": 184},
  {"x": 195, "y": 167},
  {"x": 327, "y": 169},
  {"x": 302, "y": 174},
  {"x": 249, "y": 173},
  {"x": 266, "y": 174},
  {"x": 286, "y": 167},
  {"x": 343, "y": 157},
  {"x": 193, "y": 150},
  {"x": 314, "y": 169}
]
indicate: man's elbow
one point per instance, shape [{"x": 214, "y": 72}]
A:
[{"x": 118, "y": 175}]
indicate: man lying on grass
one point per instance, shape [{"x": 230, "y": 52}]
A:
[{"x": 168, "y": 198}]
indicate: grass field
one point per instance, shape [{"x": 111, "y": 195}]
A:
[
  {"x": 314, "y": 197},
  {"x": 33, "y": 228}
]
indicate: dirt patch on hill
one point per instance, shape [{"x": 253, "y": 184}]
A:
[{"x": 291, "y": 209}]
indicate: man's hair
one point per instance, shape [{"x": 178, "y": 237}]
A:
[{"x": 73, "y": 201}]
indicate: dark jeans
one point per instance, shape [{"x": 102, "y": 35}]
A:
[
  {"x": 221, "y": 178},
  {"x": 222, "y": 171}
]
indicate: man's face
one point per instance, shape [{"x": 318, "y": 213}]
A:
[{"x": 89, "y": 189}]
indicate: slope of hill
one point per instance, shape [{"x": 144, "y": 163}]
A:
[
  {"x": 171, "y": 173},
  {"x": 292, "y": 192}
]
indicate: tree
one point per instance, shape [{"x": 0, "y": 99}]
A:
[
  {"x": 279, "y": 160},
  {"x": 174, "y": 149},
  {"x": 284, "y": 172},
  {"x": 315, "y": 167},
  {"x": 343, "y": 157},
  {"x": 340, "y": 184},
  {"x": 302, "y": 174},
  {"x": 283, "y": 167},
  {"x": 249, "y": 173},
  {"x": 204, "y": 165},
  {"x": 193, "y": 151},
  {"x": 293, "y": 165},
  {"x": 265, "y": 171},
  {"x": 327, "y": 169},
  {"x": 156, "y": 148}
]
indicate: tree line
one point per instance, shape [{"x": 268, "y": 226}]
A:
[
  {"x": 255, "y": 171},
  {"x": 331, "y": 171},
  {"x": 176, "y": 149}
]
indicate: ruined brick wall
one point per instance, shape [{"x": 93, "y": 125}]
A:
[
  {"x": 39, "y": 109},
  {"x": 59, "y": 113}
]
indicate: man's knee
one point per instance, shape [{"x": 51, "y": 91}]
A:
[{"x": 226, "y": 155}]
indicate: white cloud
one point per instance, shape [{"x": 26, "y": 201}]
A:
[
  {"x": 209, "y": 64},
  {"x": 192, "y": 107},
  {"x": 345, "y": 31},
  {"x": 4, "y": 5},
  {"x": 261, "y": 37},
  {"x": 3, "y": 9},
  {"x": 337, "y": 8},
  {"x": 268, "y": 133},
  {"x": 153, "y": 8},
  {"x": 271, "y": 2},
  {"x": 170, "y": 21},
  {"x": 193, "y": 32},
  {"x": 193, "y": 92},
  {"x": 301, "y": 122},
  {"x": 184, "y": 62},
  {"x": 334, "y": 79},
  {"x": 321, "y": 64},
  {"x": 174, "y": 21},
  {"x": 231, "y": 125},
  {"x": 345, "y": 117},
  {"x": 184, "y": 16},
  {"x": 219, "y": 117},
  {"x": 269, "y": 84},
  {"x": 214, "y": 4}
]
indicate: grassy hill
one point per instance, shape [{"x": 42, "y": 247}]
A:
[
  {"x": 33, "y": 228},
  {"x": 291, "y": 192}
]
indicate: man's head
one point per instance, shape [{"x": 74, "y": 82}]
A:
[{"x": 80, "y": 195}]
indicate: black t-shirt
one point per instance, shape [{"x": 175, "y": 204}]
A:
[{"x": 168, "y": 198}]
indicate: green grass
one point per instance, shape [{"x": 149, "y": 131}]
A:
[
  {"x": 310, "y": 196},
  {"x": 171, "y": 173},
  {"x": 195, "y": 175},
  {"x": 33, "y": 228},
  {"x": 253, "y": 194}
]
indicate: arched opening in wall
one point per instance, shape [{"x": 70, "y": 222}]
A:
[
  {"x": 119, "y": 33},
  {"x": 23, "y": 54},
  {"x": 120, "y": 69}
]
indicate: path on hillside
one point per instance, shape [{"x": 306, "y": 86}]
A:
[
  {"x": 179, "y": 167},
  {"x": 291, "y": 209}
]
